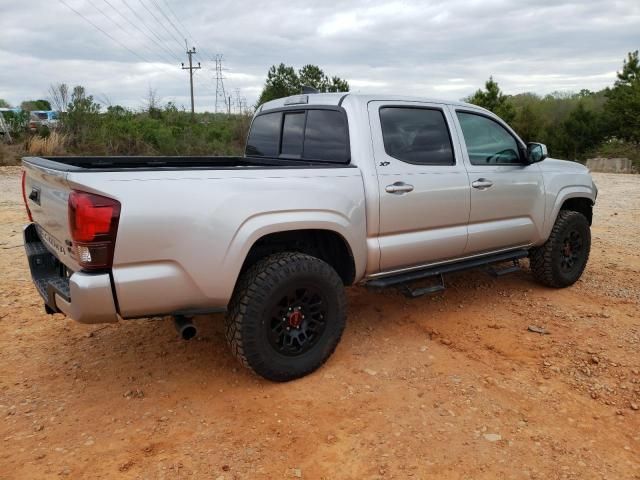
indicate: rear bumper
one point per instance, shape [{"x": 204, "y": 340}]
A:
[{"x": 84, "y": 297}]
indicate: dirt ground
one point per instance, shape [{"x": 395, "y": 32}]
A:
[{"x": 442, "y": 387}]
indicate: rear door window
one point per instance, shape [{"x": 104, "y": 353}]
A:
[{"x": 416, "y": 135}]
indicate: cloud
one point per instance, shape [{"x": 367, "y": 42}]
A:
[{"x": 430, "y": 48}]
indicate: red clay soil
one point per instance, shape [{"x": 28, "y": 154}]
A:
[{"x": 443, "y": 387}]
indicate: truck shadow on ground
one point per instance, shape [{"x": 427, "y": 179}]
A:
[{"x": 150, "y": 352}]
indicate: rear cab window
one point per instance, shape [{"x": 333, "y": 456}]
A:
[
  {"x": 313, "y": 134},
  {"x": 264, "y": 138}
]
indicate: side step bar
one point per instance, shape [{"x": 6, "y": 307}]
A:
[
  {"x": 515, "y": 267},
  {"x": 439, "y": 270},
  {"x": 407, "y": 291}
]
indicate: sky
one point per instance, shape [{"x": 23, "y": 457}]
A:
[{"x": 120, "y": 49}]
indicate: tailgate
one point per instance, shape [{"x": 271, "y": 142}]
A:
[{"x": 47, "y": 193}]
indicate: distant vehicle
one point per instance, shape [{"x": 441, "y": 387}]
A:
[
  {"x": 334, "y": 189},
  {"x": 43, "y": 118}
]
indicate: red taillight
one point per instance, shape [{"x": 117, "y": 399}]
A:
[
  {"x": 24, "y": 194},
  {"x": 93, "y": 222}
]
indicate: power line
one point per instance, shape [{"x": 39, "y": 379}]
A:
[
  {"x": 179, "y": 21},
  {"x": 189, "y": 35},
  {"x": 173, "y": 54},
  {"x": 117, "y": 25},
  {"x": 180, "y": 34},
  {"x": 160, "y": 23},
  {"x": 162, "y": 47},
  {"x": 105, "y": 33}
]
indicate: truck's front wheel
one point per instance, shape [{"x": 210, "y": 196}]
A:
[
  {"x": 286, "y": 316},
  {"x": 562, "y": 259}
]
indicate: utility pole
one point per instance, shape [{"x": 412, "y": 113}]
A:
[{"x": 191, "y": 68}]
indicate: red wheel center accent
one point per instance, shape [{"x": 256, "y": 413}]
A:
[{"x": 295, "y": 318}]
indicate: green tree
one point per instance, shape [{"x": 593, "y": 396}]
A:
[
  {"x": 82, "y": 114},
  {"x": 338, "y": 85},
  {"x": 493, "y": 99},
  {"x": 283, "y": 81},
  {"x": 30, "y": 105},
  {"x": 630, "y": 70},
  {"x": 529, "y": 121},
  {"x": 582, "y": 131},
  {"x": 313, "y": 76},
  {"x": 4, "y": 103},
  {"x": 622, "y": 108}
]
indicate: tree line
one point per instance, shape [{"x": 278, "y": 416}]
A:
[{"x": 575, "y": 125}]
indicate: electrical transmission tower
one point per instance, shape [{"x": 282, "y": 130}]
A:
[
  {"x": 221, "y": 97},
  {"x": 238, "y": 101},
  {"x": 191, "y": 68}
]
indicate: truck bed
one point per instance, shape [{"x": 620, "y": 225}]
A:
[
  {"x": 111, "y": 164},
  {"x": 184, "y": 227}
]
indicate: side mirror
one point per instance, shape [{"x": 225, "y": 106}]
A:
[{"x": 536, "y": 152}]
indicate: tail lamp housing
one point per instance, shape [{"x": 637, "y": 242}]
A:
[
  {"x": 24, "y": 195},
  {"x": 93, "y": 223}
]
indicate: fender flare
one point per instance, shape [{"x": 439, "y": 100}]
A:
[
  {"x": 566, "y": 193},
  {"x": 262, "y": 224}
]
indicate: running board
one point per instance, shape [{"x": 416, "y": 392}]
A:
[
  {"x": 409, "y": 292},
  {"x": 408, "y": 277},
  {"x": 494, "y": 272}
]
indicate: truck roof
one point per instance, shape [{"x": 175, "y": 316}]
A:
[{"x": 337, "y": 98}]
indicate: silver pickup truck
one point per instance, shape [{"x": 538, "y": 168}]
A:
[{"x": 334, "y": 190}]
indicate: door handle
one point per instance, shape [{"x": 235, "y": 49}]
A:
[
  {"x": 399, "y": 187},
  {"x": 482, "y": 184}
]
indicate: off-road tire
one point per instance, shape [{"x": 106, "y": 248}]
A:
[
  {"x": 250, "y": 322},
  {"x": 548, "y": 262}
]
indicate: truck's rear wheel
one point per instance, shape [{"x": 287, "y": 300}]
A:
[
  {"x": 286, "y": 316},
  {"x": 562, "y": 259}
]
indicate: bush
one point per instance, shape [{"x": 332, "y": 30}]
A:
[
  {"x": 52, "y": 144},
  {"x": 11, "y": 154},
  {"x": 157, "y": 131}
]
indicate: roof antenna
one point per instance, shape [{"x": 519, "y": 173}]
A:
[{"x": 307, "y": 89}]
